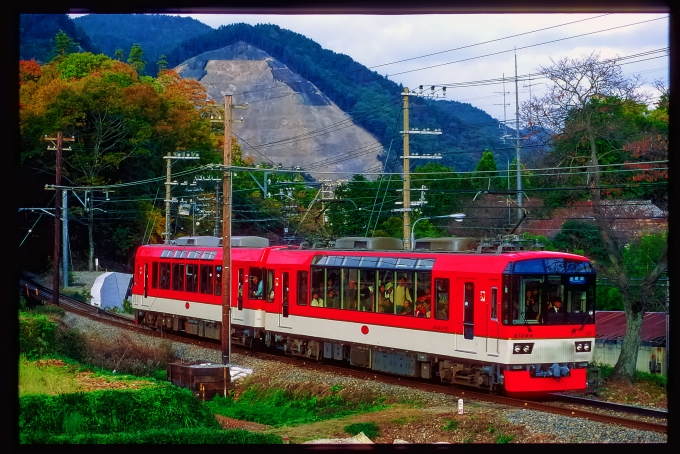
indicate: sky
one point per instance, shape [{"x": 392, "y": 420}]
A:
[{"x": 455, "y": 49}]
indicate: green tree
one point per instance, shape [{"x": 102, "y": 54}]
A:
[
  {"x": 119, "y": 55},
  {"x": 162, "y": 64},
  {"x": 63, "y": 44},
  {"x": 488, "y": 178},
  {"x": 136, "y": 58}
]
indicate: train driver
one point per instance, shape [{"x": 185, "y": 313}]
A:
[{"x": 257, "y": 286}]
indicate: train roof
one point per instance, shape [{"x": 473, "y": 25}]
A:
[{"x": 472, "y": 261}]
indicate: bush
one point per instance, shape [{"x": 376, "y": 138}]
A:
[
  {"x": 71, "y": 344},
  {"x": 125, "y": 356},
  {"x": 37, "y": 335},
  {"x": 370, "y": 429},
  {"x": 164, "y": 407}
]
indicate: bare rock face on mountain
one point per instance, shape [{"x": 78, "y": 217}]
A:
[{"x": 288, "y": 120}]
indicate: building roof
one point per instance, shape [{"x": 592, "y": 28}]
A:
[{"x": 610, "y": 326}]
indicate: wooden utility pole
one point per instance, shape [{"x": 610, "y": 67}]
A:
[
  {"x": 226, "y": 236},
  {"x": 407, "y": 177},
  {"x": 57, "y": 143}
]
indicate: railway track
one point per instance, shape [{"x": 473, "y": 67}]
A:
[{"x": 566, "y": 405}]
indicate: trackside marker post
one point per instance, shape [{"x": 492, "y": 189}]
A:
[{"x": 460, "y": 406}]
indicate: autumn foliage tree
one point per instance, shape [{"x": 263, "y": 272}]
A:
[{"x": 123, "y": 123}]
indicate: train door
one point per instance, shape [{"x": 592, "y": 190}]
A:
[
  {"x": 237, "y": 313},
  {"x": 465, "y": 316},
  {"x": 492, "y": 319},
  {"x": 282, "y": 287}
]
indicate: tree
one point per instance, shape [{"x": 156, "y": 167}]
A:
[
  {"x": 162, "y": 64},
  {"x": 63, "y": 44},
  {"x": 585, "y": 102},
  {"x": 488, "y": 173},
  {"x": 118, "y": 54},
  {"x": 123, "y": 125},
  {"x": 135, "y": 58}
]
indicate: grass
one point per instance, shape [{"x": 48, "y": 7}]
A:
[
  {"x": 45, "y": 380},
  {"x": 289, "y": 407},
  {"x": 451, "y": 425}
]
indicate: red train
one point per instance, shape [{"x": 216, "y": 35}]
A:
[{"x": 454, "y": 310}]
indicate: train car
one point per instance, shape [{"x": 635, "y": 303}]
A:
[{"x": 489, "y": 317}]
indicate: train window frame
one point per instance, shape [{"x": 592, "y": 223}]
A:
[
  {"x": 217, "y": 282},
  {"x": 165, "y": 276},
  {"x": 167, "y": 253},
  {"x": 191, "y": 278},
  {"x": 209, "y": 255},
  {"x": 469, "y": 310},
  {"x": 180, "y": 254},
  {"x": 268, "y": 284},
  {"x": 205, "y": 279},
  {"x": 154, "y": 275},
  {"x": 261, "y": 275},
  {"x": 443, "y": 297},
  {"x": 302, "y": 288},
  {"x": 494, "y": 303},
  {"x": 177, "y": 277}
]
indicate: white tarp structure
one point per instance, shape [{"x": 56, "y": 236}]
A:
[{"x": 110, "y": 289}]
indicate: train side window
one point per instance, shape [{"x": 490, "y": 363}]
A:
[
  {"x": 154, "y": 275},
  {"x": 494, "y": 303},
  {"x": 302, "y": 282},
  {"x": 423, "y": 294},
  {"x": 192, "y": 278},
  {"x": 165, "y": 276},
  {"x": 206, "y": 279},
  {"x": 256, "y": 284},
  {"x": 442, "y": 298},
  {"x": 367, "y": 290},
  {"x": 469, "y": 310},
  {"x": 285, "y": 289},
  {"x": 350, "y": 288},
  {"x": 178, "y": 276},
  {"x": 269, "y": 283},
  {"x": 218, "y": 280},
  {"x": 240, "y": 282}
]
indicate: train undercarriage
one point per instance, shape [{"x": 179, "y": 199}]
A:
[{"x": 379, "y": 359}]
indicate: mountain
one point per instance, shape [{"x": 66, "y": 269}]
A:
[
  {"x": 318, "y": 75},
  {"x": 289, "y": 120},
  {"x": 157, "y": 34},
  {"x": 373, "y": 101}
]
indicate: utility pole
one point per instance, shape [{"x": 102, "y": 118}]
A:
[
  {"x": 57, "y": 144},
  {"x": 520, "y": 212},
  {"x": 64, "y": 242},
  {"x": 407, "y": 177},
  {"x": 226, "y": 232},
  {"x": 177, "y": 155}
]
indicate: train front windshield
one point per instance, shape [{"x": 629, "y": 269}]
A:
[{"x": 549, "y": 291}]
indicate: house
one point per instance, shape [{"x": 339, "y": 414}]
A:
[{"x": 610, "y": 328}]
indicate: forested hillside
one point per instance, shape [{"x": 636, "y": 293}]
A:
[
  {"x": 37, "y": 32},
  {"x": 371, "y": 99},
  {"x": 157, "y": 34}
]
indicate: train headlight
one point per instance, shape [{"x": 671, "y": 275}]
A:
[
  {"x": 582, "y": 346},
  {"x": 523, "y": 348}
]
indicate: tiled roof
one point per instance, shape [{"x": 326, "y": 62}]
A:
[{"x": 611, "y": 326}]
